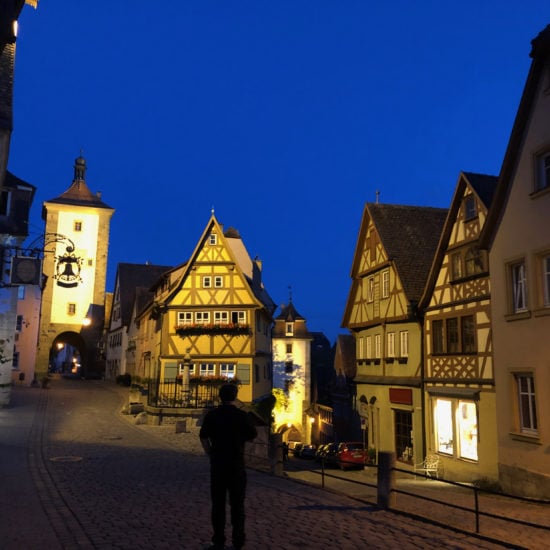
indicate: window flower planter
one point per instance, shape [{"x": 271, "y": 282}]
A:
[{"x": 213, "y": 330}]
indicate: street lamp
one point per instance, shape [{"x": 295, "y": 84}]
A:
[{"x": 185, "y": 376}]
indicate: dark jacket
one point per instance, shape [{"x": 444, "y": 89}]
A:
[{"x": 227, "y": 428}]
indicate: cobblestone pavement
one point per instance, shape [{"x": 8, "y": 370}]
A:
[{"x": 78, "y": 474}]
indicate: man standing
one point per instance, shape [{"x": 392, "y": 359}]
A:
[{"x": 223, "y": 434}]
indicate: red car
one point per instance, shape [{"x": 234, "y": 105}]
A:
[{"x": 351, "y": 454}]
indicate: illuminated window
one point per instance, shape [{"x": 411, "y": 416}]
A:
[
  {"x": 228, "y": 370},
  {"x": 443, "y": 419},
  {"x": 526, "y": 403},
  {"x": 361, "y": 347},
  {"x": 456, "y": 427}
]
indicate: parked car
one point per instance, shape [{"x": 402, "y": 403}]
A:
[
  {"x": 292, "y": 446},
  {"x": 297, "y": 449},
  {"x": 308, "y": 451},
  {"x": 330, "y": 454},
  {"x": 351, "y": 454}
]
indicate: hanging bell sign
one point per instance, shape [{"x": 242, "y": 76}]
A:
[{"x": 67, "y": 270}]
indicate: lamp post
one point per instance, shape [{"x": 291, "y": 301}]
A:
[{"x": 186, "y": 390}]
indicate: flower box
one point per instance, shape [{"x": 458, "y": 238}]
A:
[{"x": 213, "y": 330}]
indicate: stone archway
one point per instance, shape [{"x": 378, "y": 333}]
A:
[
  {"x": 68, "y": 355},
  {"x": 289, "y": 433}
]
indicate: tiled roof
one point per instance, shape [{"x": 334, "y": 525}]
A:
[
  {"x": 289, "y": 313},
  {"x": 79, "y": 194},
  {"x": 484, "y": 185},
  {"x": 410, "y": 235},
  {"x": 130, "y": 278}
]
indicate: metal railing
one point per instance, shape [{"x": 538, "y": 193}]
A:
[
  {"x": 172, "y": 393},
  {"x": 490, "y": 517}
]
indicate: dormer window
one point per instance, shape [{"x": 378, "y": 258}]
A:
[
  {"x": 470, "y": 208},
  {"x": 289, "y": 329}
]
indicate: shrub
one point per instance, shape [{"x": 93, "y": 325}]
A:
[{"x": 124, "y": 379}]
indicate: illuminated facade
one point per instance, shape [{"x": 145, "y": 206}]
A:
[
  {"x": 459, "y": 380},
  {"x": 518, "y": 239},
  {"x": 394, "y": 251},
  {"x": 215, "y": 310},
  {"x": 292, "y": 375},
  {"x": 132, "y": 282},
  {"x": 75, "y": 265}
]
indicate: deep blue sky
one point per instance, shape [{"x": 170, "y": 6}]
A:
[{"x": 285, "y": 116}]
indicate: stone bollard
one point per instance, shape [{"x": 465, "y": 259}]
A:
[
  {"x": 276, "y": 454},
  {"x": 386, "y": 479}
]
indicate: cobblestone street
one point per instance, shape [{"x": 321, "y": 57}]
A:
[{"x": 81, "y": 475}]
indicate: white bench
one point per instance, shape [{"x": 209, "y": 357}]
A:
[{"x": 429, "y": 467}]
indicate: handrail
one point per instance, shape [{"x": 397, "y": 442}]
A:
[{"x": 476, "y": 491}]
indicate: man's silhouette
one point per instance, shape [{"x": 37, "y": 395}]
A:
[{"x": 223, "y": 434}]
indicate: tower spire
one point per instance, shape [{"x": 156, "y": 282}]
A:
[{"x": 80, "y": 168}]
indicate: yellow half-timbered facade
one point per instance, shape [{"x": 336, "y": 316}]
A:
[
  {"x": 394, "y": 250},
  {"x": 459, "y": 381},
  {"x": 212, "y": 317}
]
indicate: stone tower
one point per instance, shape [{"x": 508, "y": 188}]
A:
[
  {"x": 292, "y": 374},
  {"x": 76, "y": 244}
]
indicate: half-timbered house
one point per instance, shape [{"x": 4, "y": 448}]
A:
[
  {"x": 210, "y": 320},
  {"x": 394, "y": 251},
  {"x": 459, "y": 381}
]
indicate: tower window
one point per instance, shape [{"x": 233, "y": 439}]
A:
[
  {"x": 77, "y": 226},
  {"x": 71, "y": 309}
]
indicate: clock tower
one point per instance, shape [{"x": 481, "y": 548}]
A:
[{"x": 76, "y": 244}]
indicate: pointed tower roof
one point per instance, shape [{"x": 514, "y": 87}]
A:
[
  {"x": 79, "y": 194},
  {"x": 289, "y": 314}
]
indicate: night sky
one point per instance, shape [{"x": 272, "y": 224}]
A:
[{"x": 284, "y": 116}]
